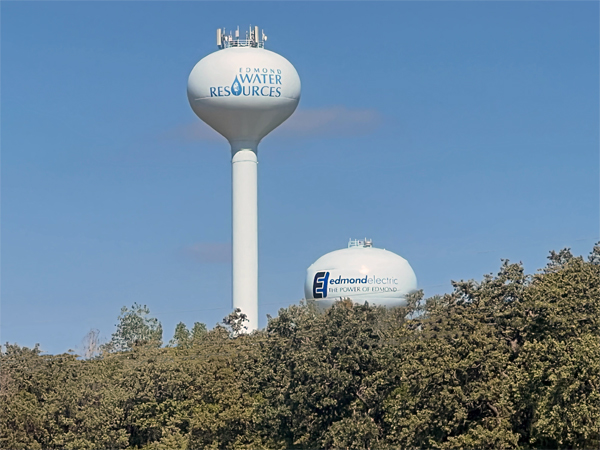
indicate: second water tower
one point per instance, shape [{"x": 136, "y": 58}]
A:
[{"x": 360, "y": 272}]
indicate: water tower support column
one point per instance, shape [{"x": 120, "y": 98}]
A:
[{"x": 245, "y": 234}]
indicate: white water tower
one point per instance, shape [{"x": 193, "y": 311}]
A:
[
  {"x": 244, "y": 92},
  {"x": 360, "y": 272}
]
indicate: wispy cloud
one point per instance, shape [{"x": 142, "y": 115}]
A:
[
  {"x": 334, "y": 121},
  {"x": 209, "y": 252},
  {"x": 192, "y": 132}
]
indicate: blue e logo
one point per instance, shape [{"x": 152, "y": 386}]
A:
[{"x": 320, "y": 284}]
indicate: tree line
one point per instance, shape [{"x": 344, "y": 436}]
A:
[{"x": 511, "y": 361}]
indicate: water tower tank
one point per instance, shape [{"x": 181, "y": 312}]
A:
[
  {"x": 243, "y": 91},
  {"x": 361, "y": 272}
]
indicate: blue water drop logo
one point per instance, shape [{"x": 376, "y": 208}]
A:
[{"x": 236, "y": 87}]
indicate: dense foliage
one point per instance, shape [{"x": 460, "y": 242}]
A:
[{"x": 510, "y": 362}]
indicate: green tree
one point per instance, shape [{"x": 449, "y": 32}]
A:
[
  {"x": 184, "y": 337},
  {"x": 135, "y": 327},
  {"x": 594, "y": 257},
  {"x": 22, "y": 422},
  {"x": 512, "y": 361},
  {"x": 58, "y": 401},
  {"x": 235, "y": 323},
  {"x": 321, "y": 376},
  {"x": 452, "y": 369},
  {"x": 558, "y": 367}
]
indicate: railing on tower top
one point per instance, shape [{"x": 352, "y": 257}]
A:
[
  {"x": 359, "y": 243},
  {"x": 243, "y": 43},
  {"x": 253, "y": 39}
]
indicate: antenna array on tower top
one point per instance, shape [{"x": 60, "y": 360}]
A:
[
  {"x": 358, "y": 243},
  {"x": 252, "y": 39}
]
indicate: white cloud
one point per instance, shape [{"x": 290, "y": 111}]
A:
[
  {"x": 209, "y": 252},
  {"x": 334, "y": 121},
  {"x": 194, "y": 131}
]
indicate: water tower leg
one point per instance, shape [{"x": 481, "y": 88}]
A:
[{"x": 245, "y": 235}]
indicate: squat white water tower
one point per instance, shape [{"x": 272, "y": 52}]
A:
[
  {"x": 362, "y": 273},
  {"x": 244, "y": 92}
]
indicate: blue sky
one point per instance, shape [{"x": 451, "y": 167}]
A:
[{"x": 452, "y": 133}]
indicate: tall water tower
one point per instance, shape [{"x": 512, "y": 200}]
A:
[{"x": 244, "y": 92}]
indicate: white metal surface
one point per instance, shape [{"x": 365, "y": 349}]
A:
[
  {"x": 245, "y": 234},
  {"x": 268, "y": 92},
  {"x": 362, "y": 273},
  {"x": 244, "y": 92}
]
